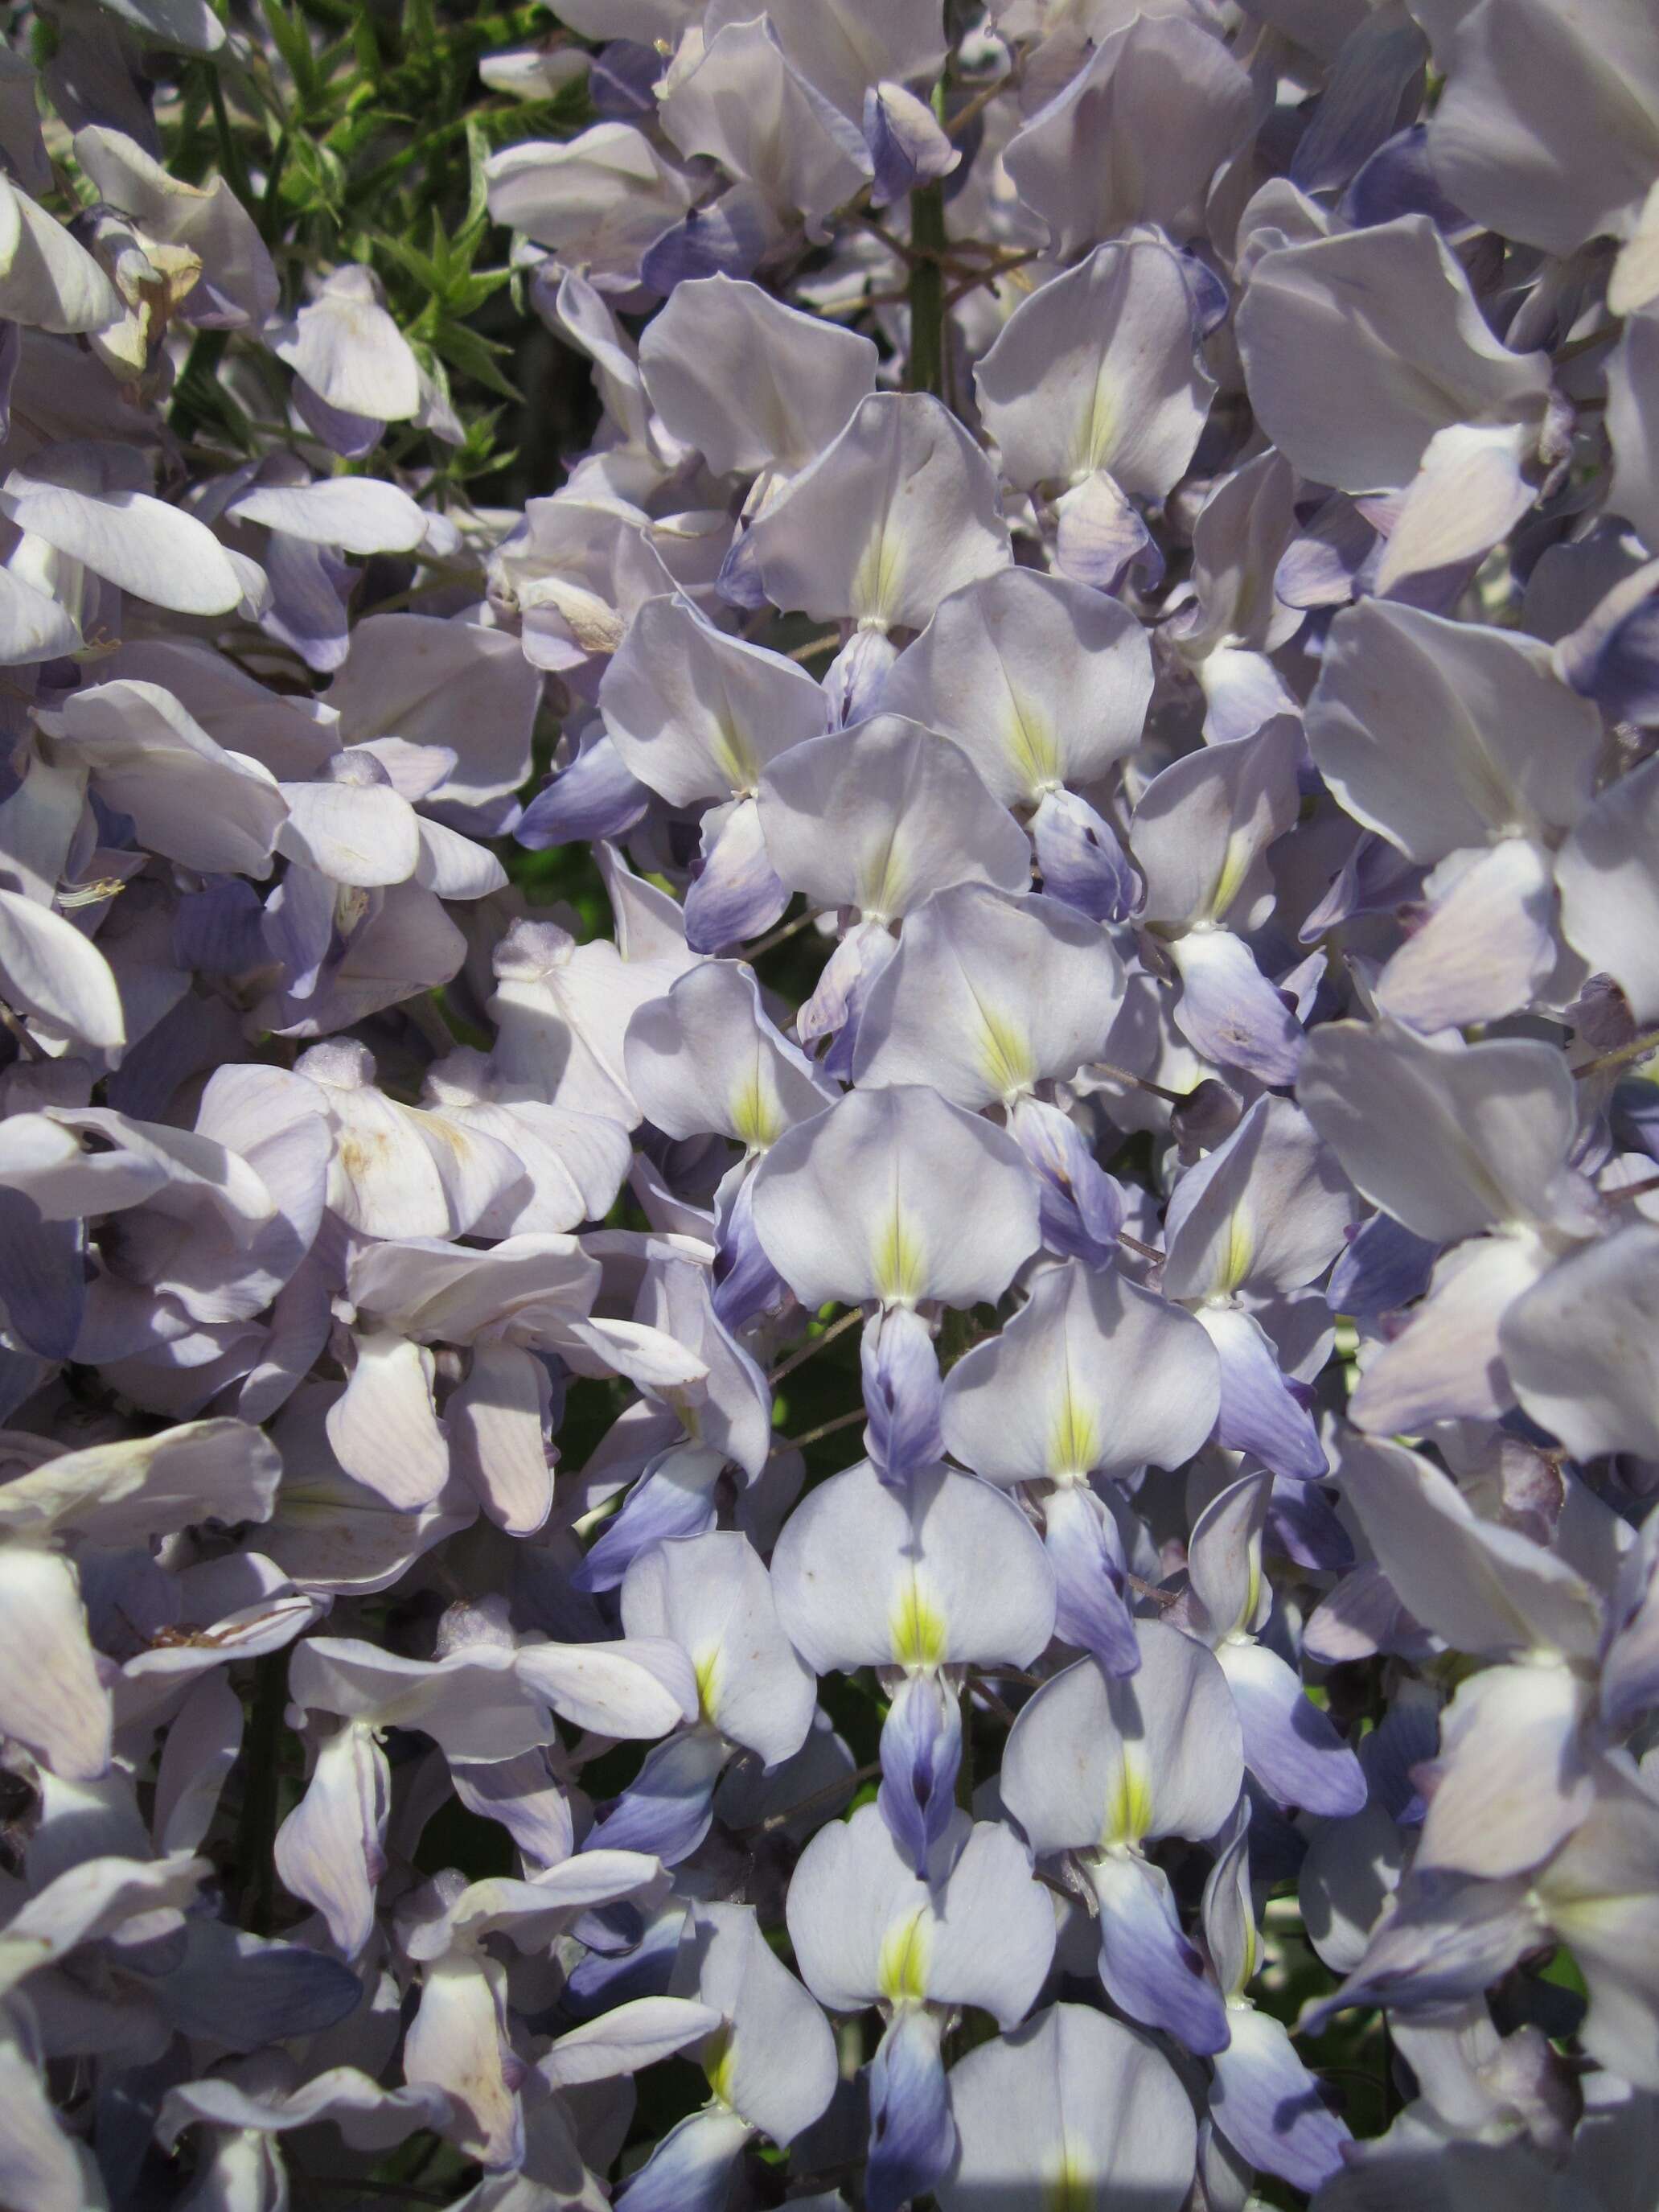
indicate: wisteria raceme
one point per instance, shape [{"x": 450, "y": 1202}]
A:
[{"x": 830, "y": 1142}]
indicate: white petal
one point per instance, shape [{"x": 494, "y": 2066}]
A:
[
  {"x": 46, "y": 279},
  {"x": 331, "y": 1848},
  {"x": 1041, "y": 681},
  {"x": 959, "y": 1575},
  {"x": 801, "y": 377},
  {"x": 1268, "y": 1207},
  {"x": 1441, "y": 734},
  {"x": 66, "y": 496},
  {"x": 712, "y": 1596},
  {"x": 1071, "y": 2099},
  {"x": 496, "y": 1421},
  {"x": 49, "y": 970},
  {"x": 882, "y": 816},
  {"x": 696, "y": 715},
  {"x": 1485, "y": 1588},
  {"x": 1098, "y": 370},
  {"x": 349, "y": 351},
  {"x": 357, "y": 513},
  {"x": 900, "y": 511},
  {"x": 384, "y": 1430},
  {"x": 1093, "y": 1373},
  {"x": 1093, "y": 1760},
  {"x": 642, "y": 1687},
  {"x": 1358, "y": 348},
  {"x": 989, "y": 995},
  {"x": 1201, "y": 828},
  {"x": 52, "y": 1697},
  {"x": 1168, "y": 104},
  {"x": 1449, "y": 1138},
  {"x": 865, "y": 1202},
  {"x": 1582, "y": 1348},
  {"x": 1608, "y": 873},
  {"x": 625, "y": 2040},
  {"x": 706, "y": 1059},
  {"x": 188, "y": 798}
]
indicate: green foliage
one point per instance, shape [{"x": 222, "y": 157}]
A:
[{"x": 359, "y": 134}]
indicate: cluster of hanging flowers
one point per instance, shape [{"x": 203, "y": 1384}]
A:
[{"x": 1105, "y": 651}]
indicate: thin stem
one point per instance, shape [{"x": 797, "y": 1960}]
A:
[
  {"x": 980, "y": 1336},
  {"x": 1631, "y": 1190},
  {"x": 907, "y": 253},
  {"x": 781, "y": 936},
  {"x": 255, "y": 1829},
  {"x": 981, "y": 100},
  {"x": 230, "y": 151},
  {"x": 195, "y": 381},
  {"x": 797, "y": 1358},
  {"x": 1393, "y": 2102},
  {"x": 1140, "y": 1082},
  {"x": 1621, "y": 1056},
  {"x": 989, "y": 276},
  {"x": 960, "y": 248},
  {"x": 965, "y": 1765},
  {"x": 1146, "y": 1251},
  {"x": 829, "y": 642},
  {"x": 843, "y": 1786},
  {"x": 830, "y": 2177},
  {"x": 815, "y": 1436},
  {"x": 25, "y": 1043},
  {"x": 270, "y": 199},
  {"x": 925, "y": 371},
  {"x": 1004, "y": 1713},
  {"x": 403, "y": 2192},
  {"x": 1587, "y": 344},
  {"x": 1151, "y": 1589}
]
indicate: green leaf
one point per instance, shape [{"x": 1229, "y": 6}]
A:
[
  {"x": 426, "y": 272},
  {"x": 199, "y": 398},
  {"x": 292, "y": 41},
  {"x": 477, "y": 183},
  {"x": 322, "y": 177},
  {"x": 468, "y": 293},
  {"x": 369, "y": 53},
  {"x": 475, "y": 356},
  {"x": 420, "y": 27}
]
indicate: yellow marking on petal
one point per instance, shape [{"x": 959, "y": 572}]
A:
[
  {"x": 881, "y": 889},
  {"x": 754, "y": 1118},
  {"x": 718, "y": 2063},
  {"x": 1129, "y": 1807},
  {"x": 1074, "y": 1441},
  {"x": 1099, "y": 430},
  {"x": 1069, "y": 2186},
  {"x": 1032, "y": 744},
  {"x": 918, "y": 1627},
  {"x": 877, "y": 579},
  {"x": 900, "y": 1264},
  {"x": 1236, "y": 1255},
  {"x": 350, "y": 905},
  {"x": 709, "y": 1665},
  {"x": 686, "y": 1410},
  {"x": 901, "y": 1972},
  {"x": 1235, "y": 866},
  {"x": 1004, "y": 1053},
  {"x": 734, "y": 757}
]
